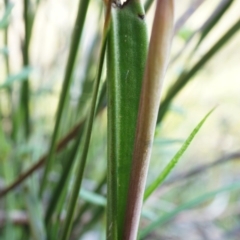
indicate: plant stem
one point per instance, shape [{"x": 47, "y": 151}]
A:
[
  {"x": 148, "y": 109},
  {"x": 7, "y": 67},
  {"x": 24, "y": 101}
]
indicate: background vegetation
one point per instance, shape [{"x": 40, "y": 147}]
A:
[{"x": 199, "y": 200}]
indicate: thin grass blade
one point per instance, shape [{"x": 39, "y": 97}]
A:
[
  {"x": 214, "y": 19},
  {"x": 167, "y": 170},
  {"x": 127, "y": 50}
]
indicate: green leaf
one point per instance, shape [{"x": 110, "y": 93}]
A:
[
  {"x": 127, "y": 50},
  {"x": 19, "y": 77},
  {"x": 175, "y": 159},
  {"x": 193, "y": 203}
]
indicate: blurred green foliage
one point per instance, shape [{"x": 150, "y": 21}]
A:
[{"x": 43, "y": 119}]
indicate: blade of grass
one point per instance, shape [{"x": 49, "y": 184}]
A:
[
  {"x": 208, "y": 25},
  {"x": 24, "y": 96},
  {"x": 87, "y": 136},
  {"x": 8, "y": 7},
  {"x": 214, "y": 19},
  {"x": 86, "y": 80},
  {"x": 89, "y": 70},
  {"x": 29, "y": 13},
  {"x": 166, "y": 171},
  {"x": 186, "y": 76},
  {"x": 205, "y": 28},
  {"x": 76, "y": 36},
  {"x": 192, "y": 203},
  {"x": 127, "y": 50}
]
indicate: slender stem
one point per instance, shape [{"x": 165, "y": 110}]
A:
[
  {"x": 7, "y": 67},
  {"x": 24, "y": 98},
  {"x": 148, "y": 109},
  {"x": 77, "y": 32}
]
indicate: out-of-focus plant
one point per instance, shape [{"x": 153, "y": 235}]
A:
[{"x": 95, "y": 166}]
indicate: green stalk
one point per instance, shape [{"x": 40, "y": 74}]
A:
[
  {"x": 7, "y": 67},
  {"x": 24, "y": 98},
  {"x": 185, "y": 77},
  {"x": 156, "y": 65},
  {"x": 6, "y": 56},
  {"x": 127, "y": 50},
  {"x": 76, "y": 36},
  {"x": 82, "y": 161},
  {"x": 28, "y": 17}
]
